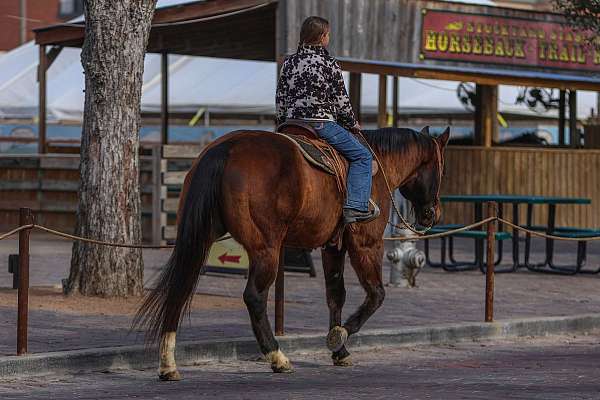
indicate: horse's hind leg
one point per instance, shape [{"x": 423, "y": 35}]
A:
[
  {"x": 167, "y": 368},
  {"x": 263, "y": 270},
  {"x": 333, "y": 268},
  {"x": 367, "y": 264}
]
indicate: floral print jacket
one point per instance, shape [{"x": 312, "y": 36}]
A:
[{"x": 311, "y": 86}]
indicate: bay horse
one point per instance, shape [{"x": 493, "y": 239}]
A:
[{"x": 257, "y": 186}]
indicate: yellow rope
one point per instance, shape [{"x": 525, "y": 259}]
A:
[
  {"x": 100, "y": 242},
  {"x": 16, "y": 230},
  {"x": 401, "y": 239},
  {"x": 93, "y": 241},
  {"x": 547, "y": 236},
  {"x": 442, "y": 234}
]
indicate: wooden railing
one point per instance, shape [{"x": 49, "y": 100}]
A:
[{"x": 525, "y": 171}]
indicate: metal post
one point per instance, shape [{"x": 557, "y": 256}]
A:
[
  {"x": 489, "y": 275},
  {"x": 395, "y": 100},
  {"x": 25, "y": 218},
  {"x": 574, "y": 139},
  {"x": 164, "y": 104},
  {"x": 562, "y": 105},
  {"x": 382, "y": 102},
  {"x": 355, "y": 92},
  {"x": 280, "y": 295},
  {"x": 23, "y": 24},
  {"x": 42, "y": 69}
]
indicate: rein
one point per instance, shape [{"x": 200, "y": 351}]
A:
[{"x": 407, "y": 224}]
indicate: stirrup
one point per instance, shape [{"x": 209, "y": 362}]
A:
[{"x": 367, "y": 216}]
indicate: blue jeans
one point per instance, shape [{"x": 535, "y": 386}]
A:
[{"x": 359, "y": 158}]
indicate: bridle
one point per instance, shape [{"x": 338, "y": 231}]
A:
[{"x": 408, "y": 225}]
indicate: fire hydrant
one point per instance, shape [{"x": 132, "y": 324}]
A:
[{"x": 407, "y": 261}]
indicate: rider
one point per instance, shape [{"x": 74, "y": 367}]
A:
[{"x": 311, "y": 88}]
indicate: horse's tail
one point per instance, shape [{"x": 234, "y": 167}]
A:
[{"x": 199, "y": 225}]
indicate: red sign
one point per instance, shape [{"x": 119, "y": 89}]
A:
[
  {"x": 227, "y": 258},
  {"x": 501, "y": 40}
]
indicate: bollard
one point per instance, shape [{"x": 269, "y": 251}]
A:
[
  {"x": 407, "y": 261},
  {"x": 280, "y": 295},
  {"x": 489, "y": 273},
  {"x": 25, "y": 218}
]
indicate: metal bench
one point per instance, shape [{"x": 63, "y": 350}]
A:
[
  {"x": 454, "y": 265},
  {"x": 564, "y": 232}
]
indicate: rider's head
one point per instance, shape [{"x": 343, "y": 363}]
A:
[{"x": 315, "y": 32}]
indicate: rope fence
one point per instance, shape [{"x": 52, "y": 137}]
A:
[
  {"x": 400, "y": 239},
  {"x": 27, "y": 224}
]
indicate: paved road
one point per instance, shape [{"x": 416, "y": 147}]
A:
[
  {"x": 548, "y": 369},
  {"x": 441, "y": 298}
]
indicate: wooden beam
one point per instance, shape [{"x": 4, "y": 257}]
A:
[
  {"x": 176, "y": 151},
  {"x": 573, "y": 132},
  {"x": 355, "y": 92},
  {"x": 562, "y": 105},
  {"x": 486, "y": 115},
  {"x": 164, "y": 99},
  {"x": 65, "y": 35},
  {"x": 395, "y": 101},
  {"x": 42, "y": 69},
  {"x": 382, "y": 102},
  {"x": 463, "y": 76}
]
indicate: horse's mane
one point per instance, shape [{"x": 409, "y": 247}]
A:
[{"x": 388, "y": 140}]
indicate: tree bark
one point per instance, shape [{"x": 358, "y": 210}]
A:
[{"x": 116, "y": 36}]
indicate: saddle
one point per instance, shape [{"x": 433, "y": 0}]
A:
[{"x": 317, "y": 151}]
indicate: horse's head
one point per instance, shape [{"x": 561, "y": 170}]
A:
[{"x": 422, "y": 189}]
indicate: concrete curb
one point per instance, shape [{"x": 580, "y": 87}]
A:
[{"x": 188, "y": 353}]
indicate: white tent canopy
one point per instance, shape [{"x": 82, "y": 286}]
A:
[{"x": 217, "y": 85}]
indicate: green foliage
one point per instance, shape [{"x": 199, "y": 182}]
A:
[{"x": 583, "y": 15}]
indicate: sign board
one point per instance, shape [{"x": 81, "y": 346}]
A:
[
  {"x": 227, "y": 256},
  {"x": 454, "y": 36},
  {"x": 230, "y": 257}
]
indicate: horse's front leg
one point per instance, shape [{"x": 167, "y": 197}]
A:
[
  {"x": 366, "y": 261},
  {"x": 333, "y": 268}
]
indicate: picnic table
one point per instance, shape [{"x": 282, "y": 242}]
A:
[{"x": 478, "y": 200}]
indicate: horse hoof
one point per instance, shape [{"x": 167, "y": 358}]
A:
[
  {"x": 282, "y": 369},
  {"x": 170, "y": 376},
  {"x": 279, "y": 362},
  {"x": 336, "y": 339},
  {"x": 343, "y": 362}
]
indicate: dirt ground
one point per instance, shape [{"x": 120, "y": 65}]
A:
[{"x": 52, "y": 299}]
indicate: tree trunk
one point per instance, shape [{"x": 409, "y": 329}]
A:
[{"x": 116, "y": 36}]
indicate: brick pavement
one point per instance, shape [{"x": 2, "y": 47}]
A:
[
  {"x": 550, "y": 368},
  {"x": 441, "y": 297}
]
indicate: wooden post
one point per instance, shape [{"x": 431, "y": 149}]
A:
[
  {"x": 574, "y": 140},
  {"x": 159, "y": 194},
  {"x": 25, "y": 218},
  {"x": 489, "y": 273},
  {"x": 382, "y": 103},
  {"x": 42, "y": 69},
  {"x": 280, "y": 295},
  {"x": 164, "y": 104},
  {"x": 562, "y": 105},
  {"x": 486, "y": 115},
  {"x": 355, "y": 92},
  {"x": 395, "y": 104}
]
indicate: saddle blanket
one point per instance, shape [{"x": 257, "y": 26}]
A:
[{"x": 318, "y": 153}]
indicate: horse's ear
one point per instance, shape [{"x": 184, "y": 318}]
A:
[
  {"x": 425, "y": 130},
  {"x": 443, "y": 138}
]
